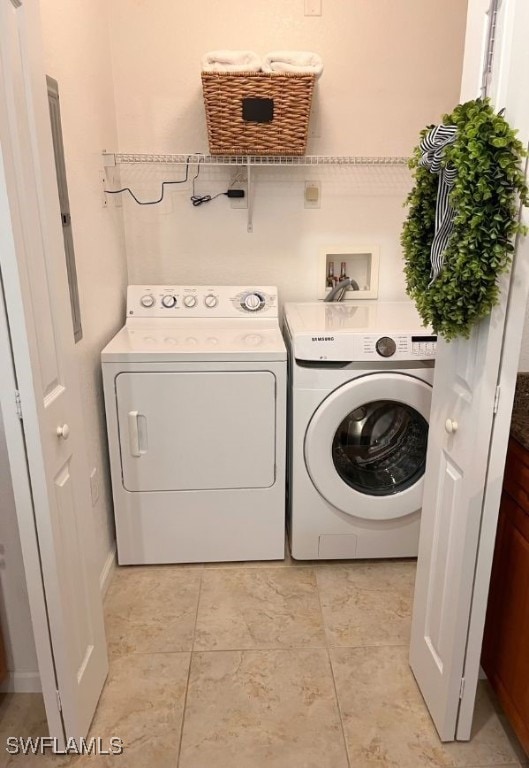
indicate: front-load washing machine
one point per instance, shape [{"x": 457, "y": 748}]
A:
[
  {"x": 195, "y": 395},
  {"x": 361, "y": 376}
]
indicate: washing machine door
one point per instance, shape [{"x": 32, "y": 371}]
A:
[{"x": 365, "y": 446}]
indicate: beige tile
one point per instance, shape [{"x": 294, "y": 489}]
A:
[
  {"x": 142, "y": 704},
  {"x": 259, "y": 608},
  {"x": 152, "y": 609},
  {"x": 386, "y": 722},
  {"x": 23, "y": 715},
  {"x": 486, "y": 702},
  {"x": 262, "y": 709},
  {"x": 285, "y": 561},
  {"x": 49, "y": 760},
  {"x": 24, "y": 712},
  {"x": 367, "y": 603}
]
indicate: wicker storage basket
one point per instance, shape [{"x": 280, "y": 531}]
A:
[{"x": 256, "y": 113}]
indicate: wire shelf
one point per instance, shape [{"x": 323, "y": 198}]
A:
[{"x": 252, "y": 160}]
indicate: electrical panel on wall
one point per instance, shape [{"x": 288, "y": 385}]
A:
[{"x": 360, "y": 263}]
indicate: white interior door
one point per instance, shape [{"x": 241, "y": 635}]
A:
[
  {"x": 457, "y": 508},
  {"x": 37, "y": 302}
]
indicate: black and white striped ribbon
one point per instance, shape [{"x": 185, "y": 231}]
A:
[{"x": 433, "y": 146}]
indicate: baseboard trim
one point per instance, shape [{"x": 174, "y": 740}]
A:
[
  {"x": 105, "y": 577},
  {"x": 22, "y": 682}
]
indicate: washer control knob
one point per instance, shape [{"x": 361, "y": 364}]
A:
[
  {"x": 168, "y": 301},
  {"x": 386, "y": 346},
  {"x": 210, "y": 301},
  {"x": 253, "y": 339},
  {"x": 252, "y": 302},
  {"x": 147, "y": 300},
  {"x": 190, "y": 301}
]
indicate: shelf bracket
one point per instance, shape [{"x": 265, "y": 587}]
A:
[
  {"x": 109, "y": 159},
  {"x": 249, "y": 192}
]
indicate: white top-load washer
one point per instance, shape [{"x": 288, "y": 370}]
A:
[
  {"x": 195, "y": 395},
  {"x": 361, "y": 376}
]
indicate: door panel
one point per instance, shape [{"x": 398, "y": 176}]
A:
[
  {"x": 455, "y": 479},
  {"x": 37, "y": 303},
  {"x": 197, "y": 430},
  {"x": 71, "y": 576},
  {"x": 439, "y": 597}
]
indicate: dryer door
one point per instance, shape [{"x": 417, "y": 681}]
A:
[
  {"x": 365, "y": 446},
  {"x": 185, "y": 431}
]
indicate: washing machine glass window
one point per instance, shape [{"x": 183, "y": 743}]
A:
[{"x": 380, "y": 447}]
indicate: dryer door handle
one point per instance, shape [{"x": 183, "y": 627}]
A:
[{"x": 134, "y": 435}]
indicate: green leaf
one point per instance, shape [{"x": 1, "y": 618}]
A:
[{"x": 489, "y": 188}]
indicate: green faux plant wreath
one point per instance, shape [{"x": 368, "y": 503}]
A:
[{"x": 489, "y": 187}]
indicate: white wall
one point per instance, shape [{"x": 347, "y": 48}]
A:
[
  {"x": 77, "y": 50},
  {"x": 386, "y": 76},
  {"x": 14, "y": 606},
  {"x": 384, "y": 79}
]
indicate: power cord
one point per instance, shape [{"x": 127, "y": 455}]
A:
[
  {"x": 201, "y": 199},
  {"x": 195, "y": 199},
  {"x": 150, "y": 202}
]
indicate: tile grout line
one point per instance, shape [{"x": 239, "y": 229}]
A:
[
  {"x": 340, "y": 715},
  {"x": 264, "y": 649},
  {"x": 184, "y": 707},
  {"x": 327, "y": 649}
]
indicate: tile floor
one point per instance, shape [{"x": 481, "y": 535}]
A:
[{"x": 266, "y": 665}]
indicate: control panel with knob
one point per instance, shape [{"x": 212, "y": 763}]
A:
[
  {"x": 386, "y": 346},
  {"x": 147, "y": 301},
  {"x": 252, "y": 302},
  {"x": 195, "y": 301},
  {"x": 210, "y": 301}
]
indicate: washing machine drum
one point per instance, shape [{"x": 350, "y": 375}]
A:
[{"x": 365, "y": 447}]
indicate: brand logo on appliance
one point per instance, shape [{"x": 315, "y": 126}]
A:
[{"x": 323, "y": 338}]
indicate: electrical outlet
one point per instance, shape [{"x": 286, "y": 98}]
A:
[
  {"x": 312, "y": 195},
  {"x": 94, "y": 486},
  {"x": 240, "y": 202}
]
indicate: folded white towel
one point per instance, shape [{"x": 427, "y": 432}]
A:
[
  {"x": 304, "y": 62},
  {"x": 231, "y": 61}
]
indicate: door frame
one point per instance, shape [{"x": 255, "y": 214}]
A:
[{"x": 14, "y": 428}]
